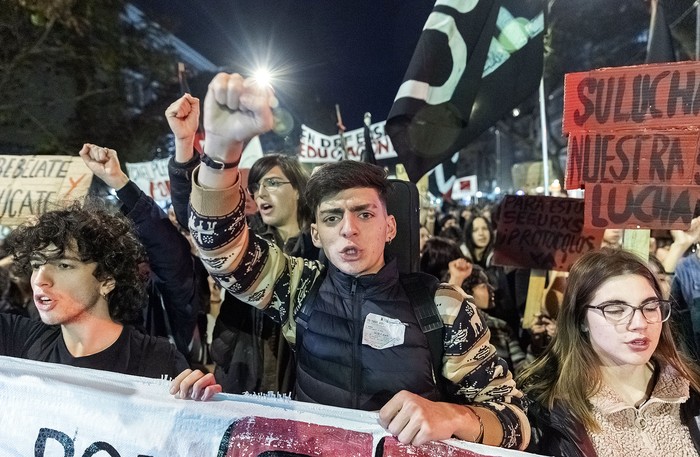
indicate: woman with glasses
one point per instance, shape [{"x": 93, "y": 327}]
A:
[{"x": 612, "y": 382}]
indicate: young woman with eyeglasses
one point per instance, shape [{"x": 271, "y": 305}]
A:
[{"x": 612, "y": 382}]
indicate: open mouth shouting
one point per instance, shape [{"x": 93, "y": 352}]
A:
[
  {"x": 350, "y": 253},
  {"x": 43, "y": 302},
  {"x": 265, "y": 208}
]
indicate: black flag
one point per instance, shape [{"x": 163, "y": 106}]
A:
[{"x": 474, "y": 62}]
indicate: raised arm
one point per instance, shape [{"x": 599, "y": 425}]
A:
[
  {"x": 183, "y": 119},
  {"x": 104, "y": 164},
  {"x": 249, "y": 267},
  {"x": 168, "y": 251},
  {"x": 235, "y": 110},
  {"x": 682, "y": 240}
]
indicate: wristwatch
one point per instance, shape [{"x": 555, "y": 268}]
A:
[{"x": 217, "y": 164}]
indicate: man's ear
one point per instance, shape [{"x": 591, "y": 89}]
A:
[
  {"x": 108, "y": 286},
  {"x": 391, "y": 228},
  {"x": 314, "y": 235}
]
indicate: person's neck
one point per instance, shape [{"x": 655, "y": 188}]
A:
[
  {"x": 288, "y": 230},
  {"x": 632, "y": 383},
  {"x": 83, "y": 339},
  {"x": 479, "y": 253}
]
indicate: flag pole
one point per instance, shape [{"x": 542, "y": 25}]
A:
[
  {"x": 341, "y": 132},
  {"x": 697, "y": 30},
  {"x": 543, "y": 129}
]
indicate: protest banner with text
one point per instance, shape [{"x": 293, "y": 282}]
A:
[
  {"x": 32, "y": 185},
  {"x": 633, "y": 144},
  {"x": 60, "y": 411},
  {"x": 319, "y": 148},
  {"x": 152, "y": 178}
]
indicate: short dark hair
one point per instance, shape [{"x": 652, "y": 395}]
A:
[
  {"x": 294, "y": 172},
  {"x": 331, "y": 178},
  {"x": 437, "y": 254},
  {"x": 101, "y": 237}
]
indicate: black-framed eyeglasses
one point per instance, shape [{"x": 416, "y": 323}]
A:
[
  {"x": 271, "y": 184},
  {"x": 653, "y": 311}
]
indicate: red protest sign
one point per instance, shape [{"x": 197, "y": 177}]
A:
[
  {"x": 644, "y": 157},
  {"x": 659, "y": 96},
  {"x": 640, "y": 206},
  {"x": 536, "y": 231}
]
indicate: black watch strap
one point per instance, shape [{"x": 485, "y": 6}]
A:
[{"x": 217, "y": 164}]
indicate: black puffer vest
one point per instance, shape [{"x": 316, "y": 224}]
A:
[{"x": 335, "y": 368}]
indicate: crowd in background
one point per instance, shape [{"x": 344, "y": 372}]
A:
[{"x": 247, "y": 351}]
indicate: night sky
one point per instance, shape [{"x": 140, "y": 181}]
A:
[{"x": 353, "y": 53}]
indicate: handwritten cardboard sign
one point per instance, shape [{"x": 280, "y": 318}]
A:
[
  {"x": 645, "y": 157},
  {"x": 640, "y": 206},
  {"x": 633, "y": 144},
  {"x": 535, "y": 231},
  {"x": 659, "y": 96},
  {"x": 32, "y": 185}
]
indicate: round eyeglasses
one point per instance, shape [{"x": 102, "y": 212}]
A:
[
  {"x": 653, "y": 311},
  {"x": 271, "y": 184}
]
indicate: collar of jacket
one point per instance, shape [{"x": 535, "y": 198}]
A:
[
  {"x": 670, "y": 388},
  {"x": 378, "y": 282}
]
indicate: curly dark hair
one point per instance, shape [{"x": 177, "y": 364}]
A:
[
  {"x": 331, "y": 178},
  {"x": 101, "y": 237}
]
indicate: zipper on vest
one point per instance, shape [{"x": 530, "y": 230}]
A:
[{"x": 357, "y": 314}]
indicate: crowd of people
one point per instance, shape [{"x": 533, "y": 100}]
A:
[{"x": 313, "y": 308}]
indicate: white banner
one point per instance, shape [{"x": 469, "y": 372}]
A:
[
  {"x": 319, "y": 148},
  {"x": 32, "y": 185},
  {"x": 52, "y": 410},
  {"x": 152, "y": 178}
]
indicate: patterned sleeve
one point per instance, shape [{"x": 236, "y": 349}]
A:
[
  {"x": 478, "y": 376},
  {"x": 249, "y": 267}
]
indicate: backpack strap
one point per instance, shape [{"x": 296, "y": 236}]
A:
[
  {"x": 421, "y": 288},
  {"x": 307, "y": 307}
]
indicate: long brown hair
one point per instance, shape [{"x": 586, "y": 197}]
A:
[{"x": 568, "y": 372}]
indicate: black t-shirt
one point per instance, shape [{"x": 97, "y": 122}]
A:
[{"x": 133, "y": 353}]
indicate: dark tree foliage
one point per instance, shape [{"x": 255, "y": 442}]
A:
[{"x": 74, "y": 71}]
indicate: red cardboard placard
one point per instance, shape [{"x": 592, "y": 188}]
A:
[
  {"x": 640, "y": 206},
  {"x": 645, "y": 157},
  {"x": 535, "y": 231},
  {"x": 656, "y": 96}
]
